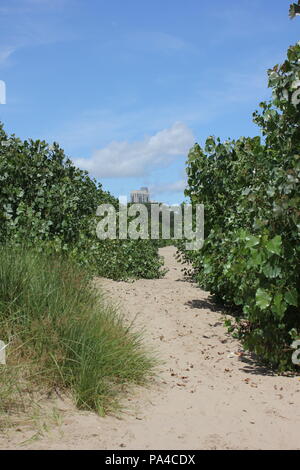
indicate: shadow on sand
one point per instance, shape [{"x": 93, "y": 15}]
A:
[{"x": 249, "y": 362}]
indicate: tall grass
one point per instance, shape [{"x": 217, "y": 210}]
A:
[{"x": 63, "y": 333}]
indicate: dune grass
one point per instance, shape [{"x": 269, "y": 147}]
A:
[{"x": 64, "y": 334}]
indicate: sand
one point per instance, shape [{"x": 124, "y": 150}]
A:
[{"x": 206, "y": 395}]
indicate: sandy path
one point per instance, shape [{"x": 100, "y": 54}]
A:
[{"x": 202, "y": 399}]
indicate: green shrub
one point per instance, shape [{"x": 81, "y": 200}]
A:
[
  {"x": 49, "y": 203},
  {"x": 250, "y": 190}
]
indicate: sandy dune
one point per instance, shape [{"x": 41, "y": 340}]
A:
[{"x": 205, "y": 396}]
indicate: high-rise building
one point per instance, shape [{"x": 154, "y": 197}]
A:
[{"x": 140, "y": 196}]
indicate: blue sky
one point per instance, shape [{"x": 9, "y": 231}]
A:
[{"x": 127, "y": 86}]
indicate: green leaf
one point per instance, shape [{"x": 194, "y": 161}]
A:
[
  {"x": 279, "y": 306},
  {"x": 271, "y": 271},
  {"x": 257, "y": 258},
  {"x": 291, "y": 297},
  {"x": 251, "y": 241},
  {"x": 263, "y": 298},
  {"x": 274, "y": 245},
  {"x": 294, "y": 10}
]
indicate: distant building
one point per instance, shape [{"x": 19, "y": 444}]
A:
[{"x": 140, "y": 196}]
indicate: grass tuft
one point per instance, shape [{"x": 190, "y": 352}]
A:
[{"x": 63, "y": 334}]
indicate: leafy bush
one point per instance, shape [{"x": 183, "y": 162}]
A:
[
  {"x": 49, "y": 203},
  {"x": 120, "y": 259},
  {"x": 63, "y": 332},
  {"x": 250, "y": 190}
]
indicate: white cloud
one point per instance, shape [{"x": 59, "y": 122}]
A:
[
  {"x": 5, "y": 53},
  {"x": 125, "y": 159},
  {"x": 24, "y": 24}
]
